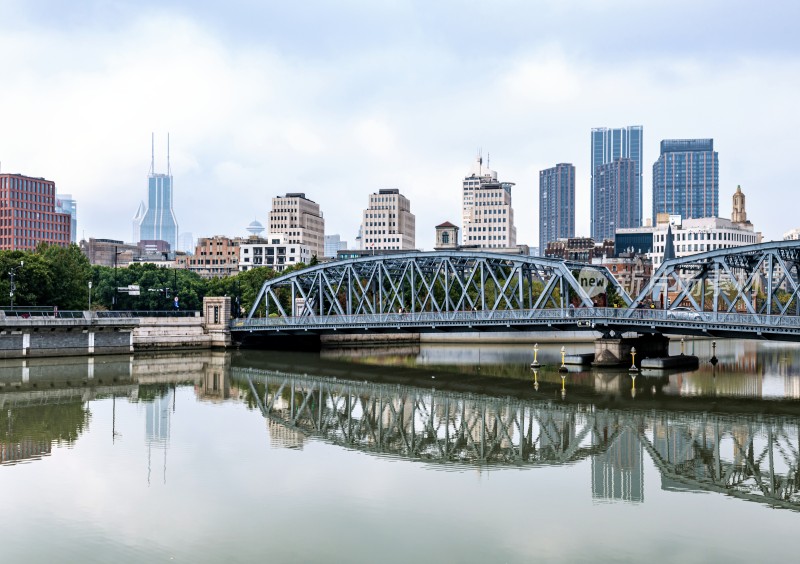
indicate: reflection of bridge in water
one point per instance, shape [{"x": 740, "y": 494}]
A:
[{"x": 748, "y": 456}]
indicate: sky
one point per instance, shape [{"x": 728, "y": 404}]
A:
[{"x": 341, "y": 99}]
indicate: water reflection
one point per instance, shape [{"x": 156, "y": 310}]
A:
[
  {"x": 714, "y": 430},
  {"x": 745, "y": 455}
]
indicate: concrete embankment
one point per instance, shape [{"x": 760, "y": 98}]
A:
[{"x": 86, "y": 333}]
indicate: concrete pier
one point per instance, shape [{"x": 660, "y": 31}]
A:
[{"x": 617, "y": 351}]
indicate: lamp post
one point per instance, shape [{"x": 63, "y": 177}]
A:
[
  {"x": 535, "y": 362},
  {"x": 563, "y": 367},
  {"x": 114, "y": 297},
  {"x": 683, "y": 342},
  {"x": 633, "y": 360},
  {"x": 90, "y": 297},
  {"x": 12, "y": 287}
]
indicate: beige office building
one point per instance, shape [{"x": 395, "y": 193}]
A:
[
  {"x": 486, "y": 210},
  {"x": 300, "y": 220},
  {"x": 388, "y": 224}
]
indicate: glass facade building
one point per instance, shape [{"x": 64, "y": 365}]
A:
[
  {"x": 556, "y": 204},
  {"x": 686, "y": 179},
  {"x": 617, "y": 198},
  {"x": 65, "y": 203},
  {"x": 609, "y": 144},
  {"x": 159, "y": 222}
]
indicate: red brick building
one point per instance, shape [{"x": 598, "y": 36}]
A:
[{"x": 28, "y": 216}]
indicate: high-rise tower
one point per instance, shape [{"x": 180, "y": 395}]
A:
[
  {"x": 388, "y": 224},
  {"x": 686, "y": 179},
  {"x": 608, "y": 145},
  {"x": 486, "y": 210},
  {"x": 617, "y": 199},
  {"x": 300, "y": 219},
  {"x": 158, "y": 222},
  {"x": 556, "y": 204}
]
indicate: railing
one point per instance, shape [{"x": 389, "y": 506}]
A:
[
  {"x": 41, "y": 312},
  {"x": 603, "y": 316},
  {"x": 145, "y": 313}
]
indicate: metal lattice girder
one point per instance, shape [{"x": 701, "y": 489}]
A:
[
  {"x": 756, "y": 279},
  {"x": 746, "y": 456},
  {"x": 427, "y": 282}
]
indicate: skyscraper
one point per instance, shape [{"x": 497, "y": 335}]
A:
[
  {"x": 617, "y": 198},
  {"x": 158, "y": 222},
  {"x": 300, "y": 219},
  {"x": 65, "y": 203},
  {"x": 387, "y": 223},
  {"x": 686, "y": 179},
  {"x": 609, "y": 144},
  {"x": 486, "y": 210},
  {"x": 556, "y": 204}
]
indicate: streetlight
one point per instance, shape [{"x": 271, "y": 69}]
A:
[
  {"x": 90, "y": 297},
  {"x": 12, "y": 287},
  {"x": 633, "y": 360}
]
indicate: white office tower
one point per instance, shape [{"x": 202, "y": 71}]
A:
[
  {"x": 300, "y": 219},
  {"x": 486, "y": 212},
  {"x": 388, "y": 224}
]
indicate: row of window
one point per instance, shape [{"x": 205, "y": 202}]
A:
[
  {"x": 704, "y": 236},
  {"x": 27, "y": 185}
]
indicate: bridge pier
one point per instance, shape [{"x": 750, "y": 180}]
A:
[{"x": 616, "y": 351}]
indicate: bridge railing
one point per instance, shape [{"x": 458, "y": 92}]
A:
[{"x": 613, "y": 316}]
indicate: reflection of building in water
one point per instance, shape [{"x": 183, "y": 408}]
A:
[
  {"x": 157, "y": 415},
  {"x": 618, "y": 473},
  {"x": 705, "y": 382},
  {"x": 11, "y": 453},
  {"x": 283, "y": 436},
  {"x": 215, "y": 384},
  {"x": 157, "y": 427},
  {"x": 791, "y": 387}
]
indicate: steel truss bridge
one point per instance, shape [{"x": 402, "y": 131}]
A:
[
  {"x": 750, "y": 292},
  {"x": 752, "y": 457}
]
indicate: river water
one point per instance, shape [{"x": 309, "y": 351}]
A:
[{"x": 431, "y": 453}]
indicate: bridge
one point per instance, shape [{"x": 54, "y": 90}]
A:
[
  {"x": 745, "y": 292},
  {"x": 748, "y": 456}
]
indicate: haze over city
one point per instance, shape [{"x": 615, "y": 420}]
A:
[{"x": 341, "y": 101}]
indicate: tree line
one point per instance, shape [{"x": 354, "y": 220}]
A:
[{"x": 53, "y": 276}]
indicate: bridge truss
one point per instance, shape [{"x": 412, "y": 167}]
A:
[
  {"x": 747, "y": 456},
  {"x": 759, "y": 279},
  {"x": 434, "y": 282}
]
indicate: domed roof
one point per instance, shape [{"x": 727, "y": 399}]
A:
[{"x": 255, "y": 227}]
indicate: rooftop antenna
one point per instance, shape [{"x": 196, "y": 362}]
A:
[
  {"x": 152, "y": 153},
  {"x": 487, "y": 160},
  {"x": 169, "y": 169}
]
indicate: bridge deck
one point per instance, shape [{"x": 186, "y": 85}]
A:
[{"x": 603, "y": 320}]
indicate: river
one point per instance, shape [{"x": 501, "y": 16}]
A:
[{"x": 426, "y": 453}]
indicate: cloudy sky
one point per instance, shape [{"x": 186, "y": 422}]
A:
[{"x": 340, "y": 99}]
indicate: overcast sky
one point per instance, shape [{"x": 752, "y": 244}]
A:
[{"x": 340, "y": 99}]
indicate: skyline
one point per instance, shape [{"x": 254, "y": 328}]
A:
[{"x": 342, "y": 102}]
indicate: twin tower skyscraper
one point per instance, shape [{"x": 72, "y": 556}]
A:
[{"x": 685, "y": 183}]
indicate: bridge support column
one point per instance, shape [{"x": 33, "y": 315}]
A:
[{"x": 611, "y": 351}]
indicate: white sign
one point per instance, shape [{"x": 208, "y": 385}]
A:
[{"x": 592, "y": 281}]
